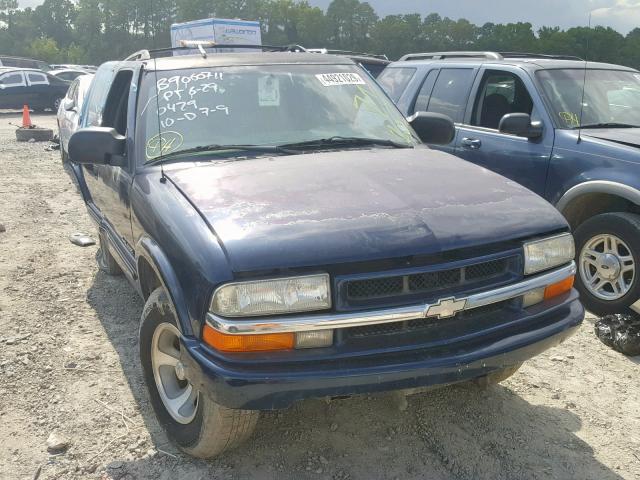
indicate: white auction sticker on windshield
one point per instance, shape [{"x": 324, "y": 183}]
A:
[
  {"x": 335, "y": 79},
  {"x": 269, "y": 91}
]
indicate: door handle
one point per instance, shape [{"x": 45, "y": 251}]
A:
[{"x": 472, "y": 143}]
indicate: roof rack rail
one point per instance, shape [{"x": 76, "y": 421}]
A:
[
  {"x": 539, "y": 55},
  {"x": 443, "y": 55},
  {"x": 347, "y": 52},
  {"x": 201, "y": 45},
  {"x": 139, "y": 55}
]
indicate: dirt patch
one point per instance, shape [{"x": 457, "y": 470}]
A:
[{"x": 69, "y": 366}]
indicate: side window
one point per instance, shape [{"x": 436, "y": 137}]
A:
[
  {"x": 37, "y": 78},
  {"x": 451, "y": 92},
  {"x": 394, "y": 81},
  {"x": 115, "y": 110},
  {"x": 422, "y": 101},
  {"x": 76, "y": 93},
  {"x": 71, "y": 93},
  {"x": 97, "y": 97},
  {"x": 14, "y": 79},
  {"x": 500, "y": 93}
]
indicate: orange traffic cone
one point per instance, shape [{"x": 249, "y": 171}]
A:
[{"x": 26, "y": 117}]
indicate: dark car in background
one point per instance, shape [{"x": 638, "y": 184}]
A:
[
  {"x": 372, "y": 63},
  {"x": 526, "y": 117},
  {"x": 20, "y": 62},
  {"x": 35, "y": 88},
  {"x": 292, "y": 238}
]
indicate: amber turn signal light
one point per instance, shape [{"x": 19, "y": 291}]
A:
[
  {"x": 247, "y": 343},
  {"x": 559, "y": 288}
]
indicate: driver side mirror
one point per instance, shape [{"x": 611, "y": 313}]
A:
[
  {"x": 97, "y": 145},
  {"x": 433, "y": 128},
  {"x": 69, "y": 105},
  {"x": 520, "y": 124}
]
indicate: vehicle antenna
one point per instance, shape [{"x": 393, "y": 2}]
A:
[
  {"x": 163, "y": 179},
  {"x": 584, "y": 83}
]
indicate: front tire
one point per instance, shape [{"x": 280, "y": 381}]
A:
[
  {"x": 607, "y": 255},
  {"x": 196, "y": 424}
]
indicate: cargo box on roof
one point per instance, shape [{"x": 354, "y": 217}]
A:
[{"x": 219, "y": 30}]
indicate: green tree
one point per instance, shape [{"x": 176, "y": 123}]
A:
[
  {"x": 44, "y": 49},
  {"x": 631, "y": 50},
  {"x": 55, "y": 19},
  {"x": 350, "y": 23},
  {"x": 396, "y": 35},
  {"x": 510, "y": 37}
]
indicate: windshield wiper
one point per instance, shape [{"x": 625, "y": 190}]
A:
[
  {"x": 290, "y": 148},
  {"x": 219, "y": 148},
  {"x": 338, "y": 141},
  {"x": 609, "y": 125}
]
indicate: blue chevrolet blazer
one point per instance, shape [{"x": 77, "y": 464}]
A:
[{"x": 293, "y": 237}]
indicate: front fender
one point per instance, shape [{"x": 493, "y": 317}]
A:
[
  {"x": 149, "y": 250},
  {"x": 591, "y": 166},
  {"x": 172, "y": 237},
  {"x": 598, "y": 186}
]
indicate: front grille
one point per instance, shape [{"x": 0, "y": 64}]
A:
[
  {"x": 393, "y": 289},
  {"x": 425, "y": 323},
  {"x": 486, "y": 269},
  {"x": 379, "y": 287},
  {"x": 423, "y": 282}
]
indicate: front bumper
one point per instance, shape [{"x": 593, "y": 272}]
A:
[{"x": 272, "y": 383}]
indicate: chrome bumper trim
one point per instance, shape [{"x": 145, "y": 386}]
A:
[{"x": 323, "y": 321}]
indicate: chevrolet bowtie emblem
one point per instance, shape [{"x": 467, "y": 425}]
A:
[{"x": 447, "y": 307}]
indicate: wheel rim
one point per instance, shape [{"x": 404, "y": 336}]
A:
[
  {"x": 56, "y": 103},
  {"x": 607, "y": 267},
  {"x": 179, "y": 397}
]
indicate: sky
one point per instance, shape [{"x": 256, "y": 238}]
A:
[{"x": 622, "y": 15}]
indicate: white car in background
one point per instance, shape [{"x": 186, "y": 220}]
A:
[
  {"x": 68, "y": 74},
  {"x": 70, "y": 110}
]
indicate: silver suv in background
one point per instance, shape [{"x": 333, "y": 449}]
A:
[{"x": 69, "y": 111}]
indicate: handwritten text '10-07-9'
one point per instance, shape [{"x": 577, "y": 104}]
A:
[{"x": 178, "y": 97}]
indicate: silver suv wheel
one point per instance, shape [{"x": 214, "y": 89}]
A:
[
  {"x": 607, "y": 267},
  {"x": 179, "y": 397}
]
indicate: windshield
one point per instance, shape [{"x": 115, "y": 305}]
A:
[
  {"x": 610, "y": 96},
  {"x": 266, "y": 105}
]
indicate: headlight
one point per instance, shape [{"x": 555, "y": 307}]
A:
[
  {"x": 272, "y": 297},
  {"x": 548, "y": 253}
]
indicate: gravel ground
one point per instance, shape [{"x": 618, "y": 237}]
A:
[{"x": 68, "y": 367}]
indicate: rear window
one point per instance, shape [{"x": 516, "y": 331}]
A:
[
  {"x": 374, "y": 69},
  {"x": 451, "y": 92},
  {"x": 394, "y": 81}
]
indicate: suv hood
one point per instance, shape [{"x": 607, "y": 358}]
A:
[
  {"x": 625, "y": 136},
  {"x": 348, "y": 206}
]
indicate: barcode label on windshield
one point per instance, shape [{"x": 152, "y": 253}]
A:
[{"x": 335, "y": 79}]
